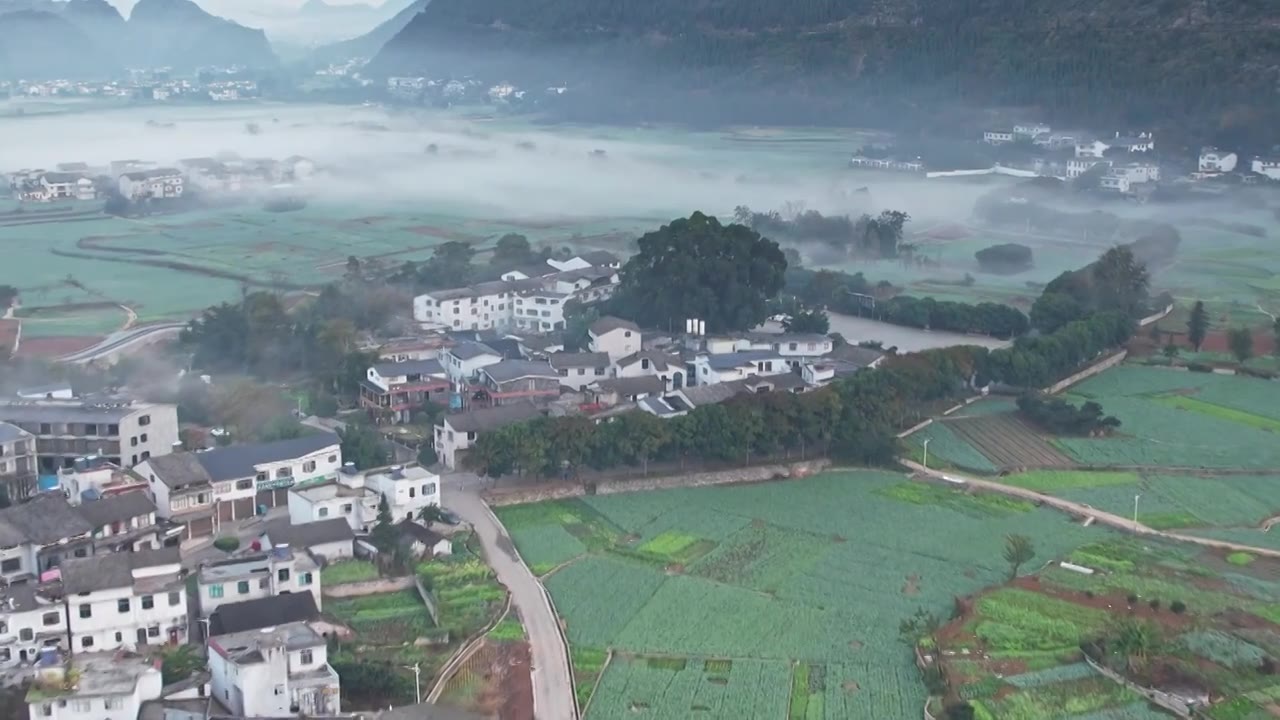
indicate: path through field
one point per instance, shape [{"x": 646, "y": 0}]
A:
[{"x": 1083, "y": 510}]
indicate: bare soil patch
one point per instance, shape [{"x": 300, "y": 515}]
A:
[
  {"x": 1008, "y": 442},
  {"x": 46, "y": 347}
]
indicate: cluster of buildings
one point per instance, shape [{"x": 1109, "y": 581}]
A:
[
  {"x": 492, "y": 353},
  {"x": 105, "y": 558},
  {"x": 154, "y": 85},
  {"x": 416, "y": 89},
  {"x": 138, "y": 180}
]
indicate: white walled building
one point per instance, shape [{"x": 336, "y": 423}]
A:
[
  {"x": 160, "y": 183},
  {"x": 126, "y": 433},
  {"x": 97, "y": 477},
  {"x": 1031, "y": 130},
  {"x": 530, "y": 303},
  {"x": 462, "y": 362},
  {"x": 578, "y": 370},
  {"x": 1269, "y": 167},
  {"x": 998, "y": 137},
  {"x": 407, "y": 489},
  {"x": 455, "y": 434},
  {"x": 356, "y": 495},
  {"x": 614, "y": 336},
  {"x": 36, "y": 536},
  {"x": 1080, "y": 165},
  {"x": 329, "y": 540},
  {"x": 17, "y": 461},
  {"x": 539, "y": 310},
  {"x": 330, "y": 500},
  {"x": 278, "y": 571},
  {"x": 107, "y": 687},
  {"x": 125, "y": 600},
  {"x": 651, "y": 363},
  {"x": 182, "y": 492},
  {"x": 1215, "y": 162},
  {"x": 29, "y": 620},
  {"x": 714, "y": 369},
  {"x": 274, "y": 672}
]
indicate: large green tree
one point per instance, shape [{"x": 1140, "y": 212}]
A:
[
  {"x": 697, "y": 268},
  {"x": 1198, "y": 325},
  {"x": 1240, "y": 340}
]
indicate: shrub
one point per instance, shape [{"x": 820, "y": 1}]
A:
[
  {"x": 1132, "y": 598},
  {"x": 1178, "y": 607},
  {"x": 1199, "y": 367},
  {"x": 227, "y": 543},
  {"x": 1240, "y": 558},
  {"x": 1155, "y": 603},
  {"x": 1006, "y": 258}
]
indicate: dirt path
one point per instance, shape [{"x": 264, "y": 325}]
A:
[
  {"x": 1084, "y": 511},
  {"x": 552, "y": 686}
]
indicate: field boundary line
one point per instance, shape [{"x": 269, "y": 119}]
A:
[
  {"x": 1082, "y": 511},
  {"x": 608, "y": 658},
  {"x": 464, "y": 653},
  {"x": 561, "y": 566}
]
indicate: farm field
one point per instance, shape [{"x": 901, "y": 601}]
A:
[
  {"x": 1169, "y": 419},
  {"x": 1209, "y": 620},
  {"x": 375, "y": 664},
  {"x": 817, "y": 571}
]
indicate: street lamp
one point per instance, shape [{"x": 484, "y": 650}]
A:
[
  {"x": 417, "y": 680},
  {"x": 926, "y": 453},
  {"x": 1135, "y": 509}
]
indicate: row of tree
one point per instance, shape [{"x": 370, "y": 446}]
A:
[
  {"x": 1059, "y": 417},
  {"x": 879, "y": 236}
]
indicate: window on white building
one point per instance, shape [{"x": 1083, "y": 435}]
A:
[
  {"x": 113, "y": 703},
  {"x": 304, "y": 578},
  {"x": 346, "y": 509},
  {"x": 86, "y": 610},
  {"x": 50, "y": 618},
  {"x": 284, "y": 472},
  {"x": 242, "y": 587},
  {"x": 148, "y": 602},
  {"x": 322, "y": 512},
  {"x": 153, "y": 631},
  {"x": 245, "y": 484},
  {"x": 86, "y": 641},
  {"x": 411, "y": 491},
  {"x": 428, "y": 489},
  {"x": 215, "y": 591},
  {"x": 26, "y": 634},
  {"x": 122, "y": 605},
  {"x": 283, "y": 575},
  {"x": 174, "y": 598},
  {"x": 305, "y": 657},
  {"x": 309, "y": 466}
]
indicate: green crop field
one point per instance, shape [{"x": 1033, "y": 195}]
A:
[{"x": 817, "y": 571}]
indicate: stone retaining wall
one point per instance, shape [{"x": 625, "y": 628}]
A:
[{"x": 369, "y": 587}]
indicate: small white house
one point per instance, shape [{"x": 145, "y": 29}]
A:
[
  {"x": 998, "y": 137},
  {"x": 1031, "y": 130},
  {"x": 407, "y": 489},
  {"x": 107, "y": 686},
  {"x": 715, "y": 369},
  {"x": 578, "y": 370},
  {"x": 329, "y": 540},
  {"x": 126, "y": 600},
  {"x": 274, "y": 672},
  {"x": 1080, "y": 165},
  {"x": 278, "y": 571},
  {"x": 457, "y": 433},
  {"x": 358, "y": 506},
  {"x": 29, "y": 621},
  {"x": 614, "y": 336},
  {"x": 1270, "y": 167},
  {"x": 1215, "y": 162},
  {"x": 160, "y": 183},
  {"x": 463, "y": 361}
]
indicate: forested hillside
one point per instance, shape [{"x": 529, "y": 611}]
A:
[{"x": 1200, "y": 67}]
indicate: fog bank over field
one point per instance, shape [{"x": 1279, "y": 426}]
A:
[{"x": 502, "y": 168}]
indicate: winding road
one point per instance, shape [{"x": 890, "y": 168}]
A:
[
  {"x": 121, "y": 341},
  {"x": 1085, "y": 511},
  {"x": 552, "y": 684}
]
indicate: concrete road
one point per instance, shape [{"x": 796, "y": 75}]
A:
[
  {"x": 1081, "y": 510},
  {"x": 120, "y": 342},
  {"x": 552, "y": 688}
]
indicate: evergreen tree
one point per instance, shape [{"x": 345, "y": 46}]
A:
[{"x": 1198, "y": 325}]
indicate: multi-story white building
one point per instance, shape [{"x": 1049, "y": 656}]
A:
[
  {"x": 125, "y": 600},
  {"x": 182, "y": 492},
  {"x": 356, "y": 495},
  {"x": 106, "y": 686},
  {"x": 998, "y": 137},
  {"x": 652, "y": 363},
  {"x": 36, "y": 536},
  {"x": 614, "y": 336},
  {"x": 245, "y": 477},
  {"x": 455, "y": 434},
  {"x": 97, "y": 477},
  {"x": 462, "y": 362},
  {"x": 122, "y": 522},
  {"x": 67, "y": 186},
  {"x": 578, "y": 370},
  {"x": 126, "y": 433},
  {"x": 396, "y": 389},
  {"x": 278, "y": 571},
  {"x": 18, "y": 474},
  {"x": 29, "y": 621},
  {"x": 160, "y": 183},
  {"x": 539, "y": 310},
  {"x": 530, "y": 303},
  {"x": 1215, "y": 162},
  {"x": 275, "y": 672},
  {"x": 1031, "y": 130},
  {"x": 1080, "y": 165}
]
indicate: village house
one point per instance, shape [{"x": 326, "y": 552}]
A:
[
  {"x": 591, "y": 258},
  {"x": 329, "y": 540},
  {"x": 713, "y": 369},
  {"x": 274, "y": 672},
  {"x": 408, "y": 489},
  {"x": 30, "y": 619},
  {"x": 275, "y": 572},
  {"x": 1216, "y": 162},
  {"x": 160, "y": 183},
  {"x": 263, "y": 612},
  {"x": 107, "y": 685},
  {"x": 125, "y": 600},
  {"x": 530, "y": 271},
  {"x": 463, "y": 362},
  {"x": 67, "y": 186},
  {"x": 612, "y": 392},
  {"x": 18, "y": 474},
  {"x": 96, "y": 477},
  {"x": 248, "y": 477},
  {"x": 1269, "y": 167},
  {"x": 585, "y": 285},
  {"x": 455, "y": 434},
  {"x": 422, "y": 541},
  {"x": 670, "y": 369},
  {"x": 889, "y": 163},
  {"x": 122, "y": 522},
  {"x": 36, "y": 536},
  {"x": 524, "y": 299},
  {"x": 1031, "y": 130},
  {"x": 126, "y": 433},
  {"x": 357, "y": 506},
  {"x": 540, "y": 310},
  {"x": 398, "y": 350},
  {"x": 514, "y": 381},
  {"x": 614, "y": 336},
  {"x": 395, "y": 390},
  {"x": 998, "y": 137},
  {"x": 183, "y": 494},
  {"x": 1081, "y": 165},
  {"x": 578, "y": 370}
]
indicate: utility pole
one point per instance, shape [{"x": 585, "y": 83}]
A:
[
  {"x": 926, "y": 453},
  {"x": 1135, "y": 509},
  {"x": 417, "y": 681}
]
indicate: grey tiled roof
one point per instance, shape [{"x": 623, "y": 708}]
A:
[
  {"x": 116, "y": 508},
  {"x": 410, "y": 367},
  {"x": 469, "y": 350},
  {"x": 179, "y": 470},
  {"x": 263, "y": 612},
  {"x": 9, "y": 433},
  {"x": 45, "y": 519},
  {"x": 579, "y": 360},
  {"x": 492, "y": 418},
  {"x": 305, "y": 535},
  {"x": 508, "y": 370},
  {"x": 103, "y": 572},
  {"x": 609, "y": 323},
  {"x": 238, "y": 461}
]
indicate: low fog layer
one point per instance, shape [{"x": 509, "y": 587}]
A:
[{"x": 373, "y": 158}]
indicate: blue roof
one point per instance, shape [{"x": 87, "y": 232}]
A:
[{"x": 237, "y": 461}]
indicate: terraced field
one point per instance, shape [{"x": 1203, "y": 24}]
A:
[
  {"x": 1008, "y": 442},
  {"x": 815, "y": 573}
]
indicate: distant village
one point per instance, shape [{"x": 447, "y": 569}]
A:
[
  {"x": 215, "y": 84},
  {"x": 1121, "y": 163},
  {"x": 143, "y": 180}
]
